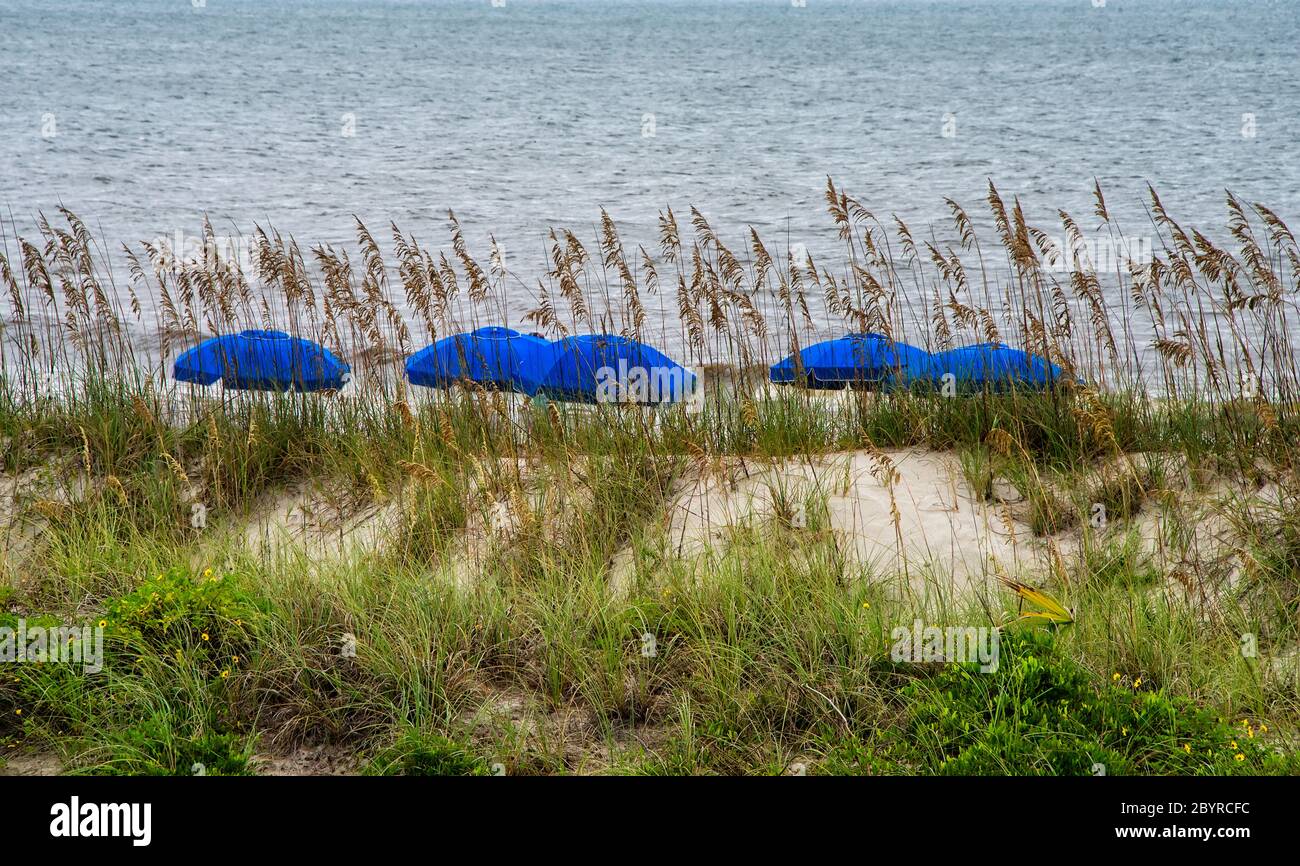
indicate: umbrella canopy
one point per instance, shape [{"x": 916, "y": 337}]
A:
[
  {"x": 495, "y": 357},
  {"x": 606, "y": 368},
  {"x": 262, "y": 361},
  {"x": 860, "y": 358},
  {"x": 996, "y": 366}
]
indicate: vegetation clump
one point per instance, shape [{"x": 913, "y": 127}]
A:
[{"x": 472, "y": 582}]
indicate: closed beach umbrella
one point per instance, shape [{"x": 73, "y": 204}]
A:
[
  {"x": 600, "y": 368},
  {"x": 854, "y": 358},
  {"x": 262, "y": 361},
  {"x": 495, "y": 357},
  {"x": 996, "y": 366}
]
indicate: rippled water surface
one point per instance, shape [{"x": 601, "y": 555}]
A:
[{"x": 142, "y": 115}]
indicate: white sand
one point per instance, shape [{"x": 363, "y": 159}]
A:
[
  {"x": 927, "y": 524},
  {"x": 320, "y": 518},
  {"x": 926, "y": 533}
]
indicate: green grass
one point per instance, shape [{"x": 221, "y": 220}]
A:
[
  {"x": 526, "y": 610},
  {"x": 769, "y": 652}
]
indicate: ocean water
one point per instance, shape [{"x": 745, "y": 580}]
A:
[{"x": 144, "y": 115}]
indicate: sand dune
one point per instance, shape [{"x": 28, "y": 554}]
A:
[{"x": 926, "y": 523}]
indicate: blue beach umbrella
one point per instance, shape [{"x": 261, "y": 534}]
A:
[
  {"x": 996, "y": 366},
  {"x": 262, "y": 361},
  {"x": 600, "y": 368},
  {"x": 495, "y": 357},
  {"x": 854, "y": 358}
]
